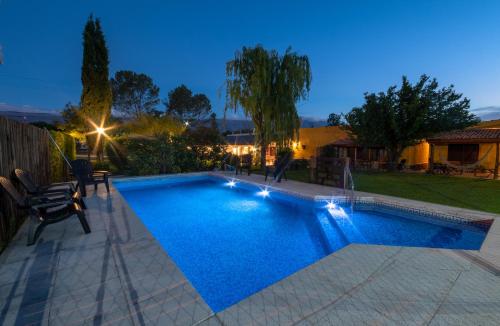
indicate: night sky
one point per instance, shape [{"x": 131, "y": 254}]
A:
[{"x": 353, "y": 46}]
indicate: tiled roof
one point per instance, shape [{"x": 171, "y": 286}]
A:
[{"x": 474, "y": 134}]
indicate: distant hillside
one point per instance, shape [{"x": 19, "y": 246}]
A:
[
  {"x": 490, "y": 124},
  {"x": 224, "y": 125},
  {"x": 30, "y": 117},
  {"x": 237, "y": 125},
  {"x": 487, "y": 113}
]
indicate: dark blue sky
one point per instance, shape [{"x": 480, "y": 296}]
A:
[{"x": 353, "y": 46}]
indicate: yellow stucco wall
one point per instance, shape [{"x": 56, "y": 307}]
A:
[
  {"x": 487, "y": 154},
  {"x": 417, "y": 154},
  {"x": 312, "y": 138},
  {"x": 488, "y": 151}
]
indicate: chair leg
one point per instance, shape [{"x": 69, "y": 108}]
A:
[
  {"x": 83, "y": 221},
  {"x": 83, "y": 188},
  {"x": 106, "y": 183},
  {"x": 82, "y": 203},
  {"x": 95, "y": 186},
  {"x": 33, "y": 236}
]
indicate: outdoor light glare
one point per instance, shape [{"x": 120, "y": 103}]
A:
[
  {"x": 264, "y": 193},
  {"x": 331, "y": 205},
  {"x": 100, "y": 130}
]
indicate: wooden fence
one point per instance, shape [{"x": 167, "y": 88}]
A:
[{"x": 21, "y": 146}]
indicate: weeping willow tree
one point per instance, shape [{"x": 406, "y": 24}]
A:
[{"x": 267, "y": 87}]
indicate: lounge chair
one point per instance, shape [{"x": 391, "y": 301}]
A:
[
  {"x": 44, "y": 210},
  {"x": 279, "y": 168},
  {"x": 54, "y": 189},
  {"x": 85, "y": 175}
]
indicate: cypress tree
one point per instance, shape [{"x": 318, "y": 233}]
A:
[{"x": 96, "y": 99}]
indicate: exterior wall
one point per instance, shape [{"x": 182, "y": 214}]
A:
[
  {"x": 240, "y": 150},
  {"x": 312, "y": 138},
  {"x": 440, "y": 153},
  {"x": 417, "y": 156},
  {"x": 490, "y": 151},
  {"x": 486, "y": 151}
]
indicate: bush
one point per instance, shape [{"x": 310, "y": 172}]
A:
[
  {"x": 59, "y": 169},
  {"x": 117, "y": 155},
  {"x": 162, "y": 154}
]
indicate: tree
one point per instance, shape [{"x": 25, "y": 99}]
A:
[
  {"x": 96, "y": 98},
  {"x": 72, "y": 118},
  {"x": 334, "y": 119},
  {"x": 182, "y": 104},
  {"x": 402, "y": 117},
  {"x": 267, "y": 86},
  {"x": 153, "y": 126},
  {"x": 134, "y": 94}
]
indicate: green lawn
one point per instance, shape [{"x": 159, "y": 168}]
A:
[{"x": 470, "y": 193}]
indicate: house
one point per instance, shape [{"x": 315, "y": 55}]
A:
[
  {"x": 469, "y": 148},
  {"x": 464, "y": 149},
  {"x": 244, "y": 143},
  {"x": 310, "y": 140}
]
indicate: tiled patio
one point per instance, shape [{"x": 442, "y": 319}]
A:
[{"x": 120, "y": 275}]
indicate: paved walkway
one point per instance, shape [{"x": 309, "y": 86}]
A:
[{"x": 120, "y": 275}]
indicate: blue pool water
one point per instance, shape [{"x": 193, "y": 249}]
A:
[{"x": 232, "y": 242}]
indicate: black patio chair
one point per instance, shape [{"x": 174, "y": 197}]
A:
[
  {"x": 245, "y": 162},
  {"x": 279, "y": 169},
  {"x": 85, "y": 175},
  {"x": 54, "y": 189},
  {"x": 44, "y": 210}
]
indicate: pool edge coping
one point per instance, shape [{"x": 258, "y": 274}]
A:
[{"x": 481, "y": 257}]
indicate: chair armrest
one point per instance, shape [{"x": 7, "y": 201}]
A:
[
  {"x": 101, "y": 172},
  {"x": 71, "y": 185},
  {"x": 46, "y": 198}
]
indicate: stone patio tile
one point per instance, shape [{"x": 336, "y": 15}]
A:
[
  {"x": 17, "y": 250},
  {"x": 348, "y": 312},
  {"x": 84, "y": 275},
  {"x": 186, "y": 309},
  {"x": 211, "y": 321},
  {"x": 27, "y": 294},
  {"x": 19, "y": 271},
  {"x": 263, "y": 308},
  {"x": 84, "y": 255},
  {"x": 23, "y": 317},
  {"x": 476, "y": 286},
  {"x": 353, "y": 311},
  {"x": 64, "y": 301},
  {"x": 483, "y": 314},
  {"x": 78, "y": 239},
  {"x": 401, "y": 282},
  {"x": 426, "y": 258},
  {"x": 110, "y": 309}
]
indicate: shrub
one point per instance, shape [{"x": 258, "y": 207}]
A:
[
  {"x": 117, "y": 155},
  {"x": 58, "y": 167}
]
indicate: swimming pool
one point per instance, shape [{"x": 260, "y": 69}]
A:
[{"x": 232, "y": 241}]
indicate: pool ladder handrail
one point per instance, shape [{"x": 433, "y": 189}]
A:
[{"x": 349, "y": 184}]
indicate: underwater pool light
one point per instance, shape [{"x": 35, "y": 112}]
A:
[
  {"x": 231, "y": 184},
  {"x": 264, "y": 193},
  {"x": 331, "y": 205}
]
